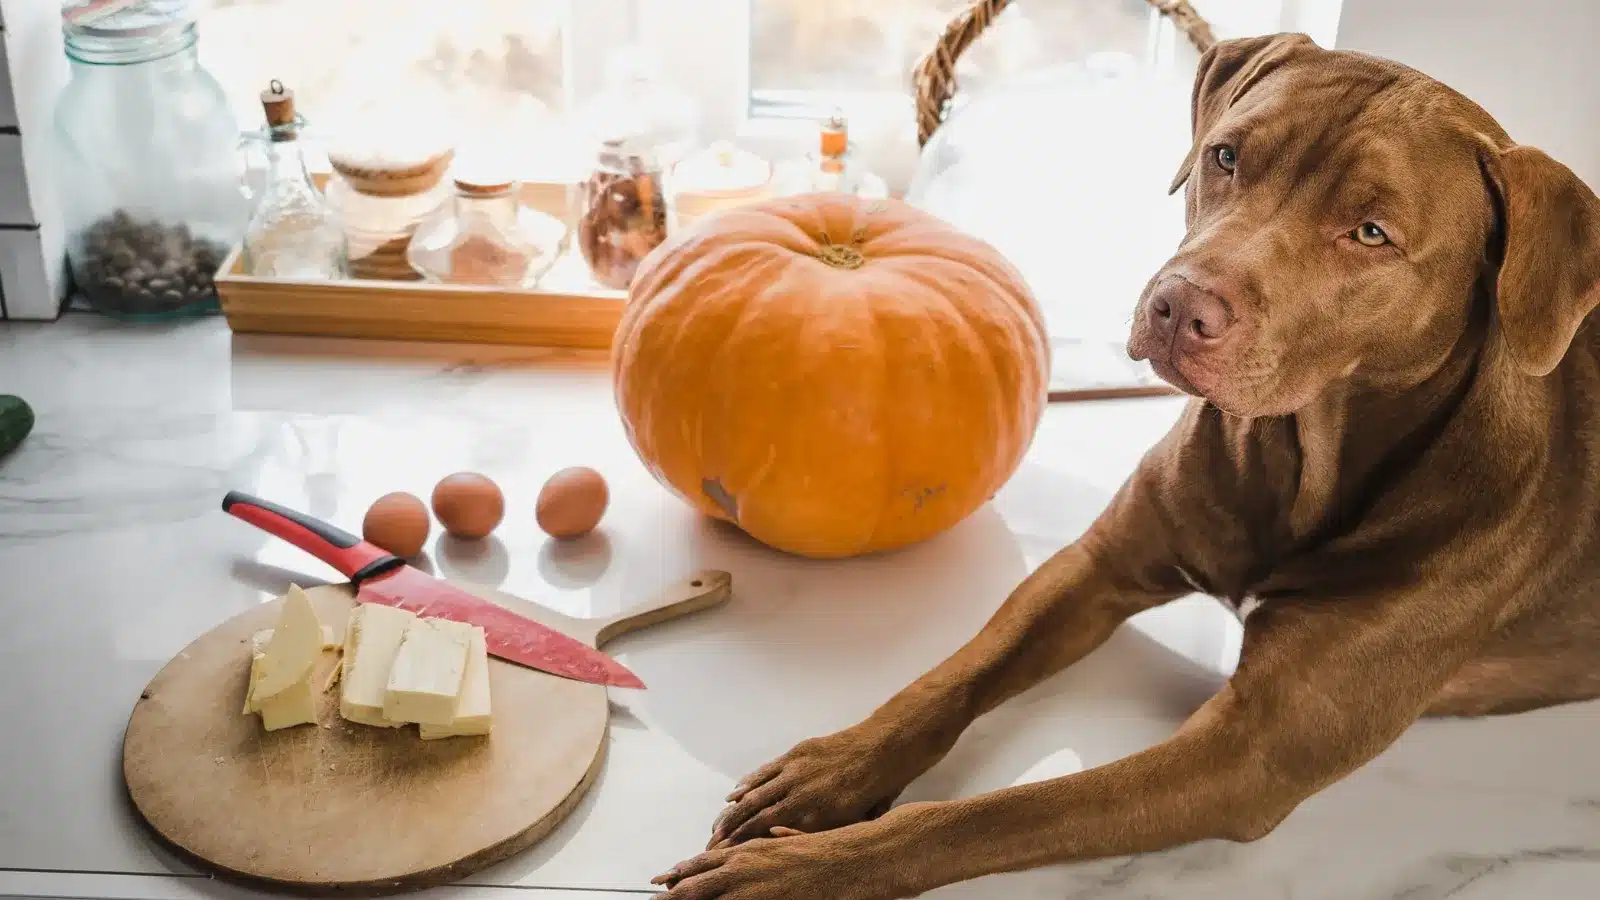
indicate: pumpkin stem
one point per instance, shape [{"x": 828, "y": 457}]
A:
[{"x": 841, "y": 257}]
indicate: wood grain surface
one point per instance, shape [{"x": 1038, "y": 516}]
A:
[{"x": 340, "y": 807}]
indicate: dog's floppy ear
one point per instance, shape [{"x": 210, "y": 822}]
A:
[
  {"x": 1226, "y": 71},
  {"x": 1549, "y": 277}
]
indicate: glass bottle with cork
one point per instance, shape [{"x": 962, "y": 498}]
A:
[
  {"x": 293, "y": 233},
  {"x": 830, "y": 169}
]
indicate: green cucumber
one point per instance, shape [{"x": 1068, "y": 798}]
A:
[{"x": 16, "y": 420}]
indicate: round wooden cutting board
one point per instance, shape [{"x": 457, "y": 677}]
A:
[{"x": 338, "y": 806}]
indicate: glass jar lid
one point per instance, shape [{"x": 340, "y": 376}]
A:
[
  {"x": 126, "y": 31},
  {"x": 125, "y": 18},
  {"x": 479, "y": 186},
  {"x": 722, "y": 169},
  {"x": 482, "y": 171}
]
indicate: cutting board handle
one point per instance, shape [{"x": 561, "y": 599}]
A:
[{"x": 700, "y": 591}]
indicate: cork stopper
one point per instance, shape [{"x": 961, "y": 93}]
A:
[
  {"x": 482, "y": 171},
  {"x": 478, "y": 186},
  {"x": 278, "y": 102},
  {"x": 835, "y": 136}
]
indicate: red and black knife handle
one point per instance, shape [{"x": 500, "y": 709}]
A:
[{"x": 355, "y": 558}]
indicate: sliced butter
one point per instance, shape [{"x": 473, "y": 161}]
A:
[
  {"x": 472, "y": 709},
  {"x": 258, "y": 647},
  {"x": 371, "y": 641},
  {"x": 329, "y": 642},
  {"x": 294, "y": 705},
  {"x": 425, "y": 681},
  {"x": 289, "y": 652}
]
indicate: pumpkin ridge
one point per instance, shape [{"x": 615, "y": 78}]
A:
[
  {"x": 691, "y": 316},
  {"x": 781, "y": 266},
  {"x": 1027, "y": 312},
  {"x": 804, "y": 241},
  {"x": 793, "y": 430},
  {"x": 1009, "y": 282},
  {"x": 1024, "y": 427},
  {"x": 890, "y": 470},
  {"x": 995, "y": 391}
]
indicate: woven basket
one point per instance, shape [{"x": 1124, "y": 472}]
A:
[{"x": 934, "y": 78}]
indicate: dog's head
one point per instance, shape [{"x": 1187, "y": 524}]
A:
[{"x": 1345, "y": 213}]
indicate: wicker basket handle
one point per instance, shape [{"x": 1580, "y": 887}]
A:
[{"x": 934, "y": 78}]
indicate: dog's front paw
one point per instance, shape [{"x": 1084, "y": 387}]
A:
[
  {"x": 831, "y": 864},
  {"x": 822, "y": 783}
]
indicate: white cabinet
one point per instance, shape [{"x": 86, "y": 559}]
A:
[{"x": 32, "y": 70}]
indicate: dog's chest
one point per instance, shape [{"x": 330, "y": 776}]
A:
[{"x": 1241, "y": 606}]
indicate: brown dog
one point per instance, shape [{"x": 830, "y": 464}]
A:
[{"x": 1392, "y": 474}]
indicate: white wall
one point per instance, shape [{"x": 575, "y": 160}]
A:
[{"x": 1533, "y": 64}]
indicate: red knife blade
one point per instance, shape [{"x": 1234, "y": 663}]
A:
[{"x": 381, "y": 577}]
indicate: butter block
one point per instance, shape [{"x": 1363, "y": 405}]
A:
[
  {"x": 294, "y": 705},
  {"x": 425, "y": 681},
  {"x": 289, "y": 652},
  {"x": 371, "y": 641},
  {"x": 472, "y": 708}
]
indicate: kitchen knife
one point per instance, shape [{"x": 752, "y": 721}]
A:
[{"x": 381, "y": 577}]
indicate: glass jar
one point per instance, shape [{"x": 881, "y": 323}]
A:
[
  {"x": 486, "y": 236},
  {"x": 719, "y": 177},
  {"x": 623, "y": 212},
  {"x": 388, "y": 176},
  {"x": 642, "y": 127},
  {"x": 149, "y": 164}
]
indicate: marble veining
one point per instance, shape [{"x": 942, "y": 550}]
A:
[{"x": 113, "y": 556}]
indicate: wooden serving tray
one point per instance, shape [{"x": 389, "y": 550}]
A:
[{"x": 567, "y": 309}]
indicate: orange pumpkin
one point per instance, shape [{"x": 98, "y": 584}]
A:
[{"x": 834, "y": 375}]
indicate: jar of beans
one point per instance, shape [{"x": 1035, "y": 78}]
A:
[
  {"x": 642, "y": 126},
  {"x": 149, "y": 164}
]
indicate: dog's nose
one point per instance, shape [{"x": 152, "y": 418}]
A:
[{"x": 1193, "y": 313}]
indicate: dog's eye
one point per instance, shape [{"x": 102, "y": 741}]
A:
[
  {"x": 1370, "y": 235},
  {"x": 1226, "y": 158}
]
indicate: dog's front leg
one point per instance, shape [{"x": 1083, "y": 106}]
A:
[
  {"x": 1061, "y": 612},
  {"x": 1321, "y": 689}
]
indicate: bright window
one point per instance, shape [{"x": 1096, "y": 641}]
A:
[
  {"x": 847, "y": 47},
  {"x": 761, "y": 70},
  {"x": 342, "y": 55},
  {"x": 511, "y": 68}
]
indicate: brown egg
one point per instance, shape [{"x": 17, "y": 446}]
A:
[
  {"x": 398, "y": 523},
  {"x": 468, "y": 505},
  {"x": 572, "y": 502}
]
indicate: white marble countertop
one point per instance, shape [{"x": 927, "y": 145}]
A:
[{"x": 113, "y": 556}]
